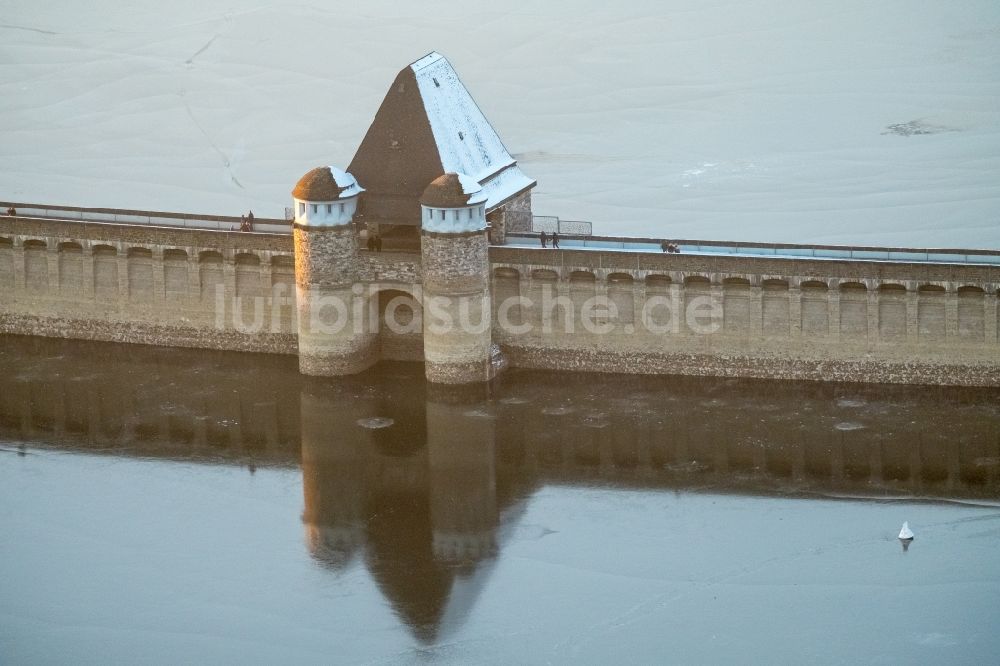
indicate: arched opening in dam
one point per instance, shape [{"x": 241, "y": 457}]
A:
[{"x": 400, "y": 325}]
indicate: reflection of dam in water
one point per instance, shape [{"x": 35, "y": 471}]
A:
[
  {"x": 543, "y": 427},
  {"x": 414, "y": 483}
]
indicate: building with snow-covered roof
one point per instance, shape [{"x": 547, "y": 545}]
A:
[
  {"x": 325, "y": 196},
  {"x": 430, "y": 173},
  {"x": 453, "y": 203},
  {"x": 429, "y": 125}
]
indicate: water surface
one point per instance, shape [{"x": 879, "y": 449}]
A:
[{"x": 165, "y": 506}]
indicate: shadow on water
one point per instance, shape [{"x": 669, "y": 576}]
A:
[{"x": 414, "y": 482}]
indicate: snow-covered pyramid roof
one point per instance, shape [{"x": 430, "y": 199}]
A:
[{"x": 428, "y": 125}]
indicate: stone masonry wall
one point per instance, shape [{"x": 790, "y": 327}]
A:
[
  {"x": 337, "y": 250},
  {"x": 454, "y": 263},
  {"x": 777, "y": 318},
  {"x": 843, "y": 320},
  {"x": 147, "y": 285},
  {"x": 456, "y": 267}
]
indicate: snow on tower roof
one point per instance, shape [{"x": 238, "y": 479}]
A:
[
  {"x": 453, "y": 190},
  {"x": 326, "y": 184},
  {"x": 428, "y": 124}
]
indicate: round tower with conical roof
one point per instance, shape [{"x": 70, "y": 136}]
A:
[
  {"x": 455, "y": 258},
  {"x": 332, "y": 314}
]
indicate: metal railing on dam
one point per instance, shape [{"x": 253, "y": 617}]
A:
[
  {"x": 770, "y": 250},
  {"x": 144, "y": 217},
  {"x": 574, "y": 241}
]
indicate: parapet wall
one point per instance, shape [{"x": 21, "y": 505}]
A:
[
  {"x": 840, "y": 320},
  {"x": 609, "y": 311}
]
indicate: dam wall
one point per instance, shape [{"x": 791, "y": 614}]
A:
[
  {"x": 815, "y": 319},
  {"x": 603, "y": 310},
  {"x": 170, "y": 286}
]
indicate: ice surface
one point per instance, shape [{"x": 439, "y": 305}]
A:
[
  {"x": 849, "y": 122},
  {"x": 116, "y": 560}
]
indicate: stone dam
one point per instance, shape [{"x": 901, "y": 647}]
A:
[{"x": 931, "y": 321}]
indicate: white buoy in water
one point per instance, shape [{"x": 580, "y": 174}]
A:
[{"x": 906, "y": 534}]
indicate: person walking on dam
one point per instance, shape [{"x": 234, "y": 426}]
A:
[
  {"x": 555, "y": 240},
  {"x": 543, "y": 238}
]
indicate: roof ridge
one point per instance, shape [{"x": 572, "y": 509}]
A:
[{"x": 426, "y": 60}]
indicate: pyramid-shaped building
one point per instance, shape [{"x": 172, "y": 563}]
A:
[{"x": 429, "y": 125}]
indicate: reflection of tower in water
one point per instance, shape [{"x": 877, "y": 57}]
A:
[
  {"x": 408, "y": 480},
  {"x": 333, "y": 466},
  {"x": 463, "y": 477}
]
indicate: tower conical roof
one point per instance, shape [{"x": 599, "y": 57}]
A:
[
  {"x": 326, "y": 184},
  {"x": 453, "y": 190}
]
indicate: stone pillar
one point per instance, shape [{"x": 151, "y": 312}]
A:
[
  {"x": 951, "y": 312},
  {"x": 335, "y": 334},
  {"x": 833, "y": 315},
  {"x": 159, "y": 292},
  {"x": 873, "y": 320},
  {"x": 194, "y": 281},
  {"x": 718, "y": 304},
  {"x": 795, "y": 309},
  {"x": 122, "y": 258},
  {"x": 52, "y": 264},
  {"x": 267, "y": 294},
  {"x": 638, "y": 299},
  {"x": 912, "y": 315},
  {"x": 229, "y": 279},
  {"x": 18, "y": 264},
  {"x": 456, "y": 304},
  {"x": 498, "y": 228},
  {"x": 87, "y": 272},
  {"x": 991, "y": 318},
  {"x": 756, "y": 310}
]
